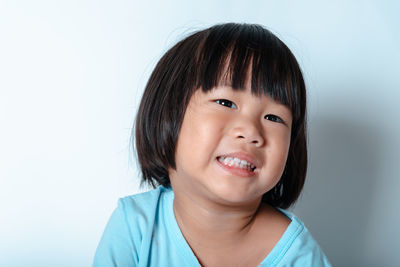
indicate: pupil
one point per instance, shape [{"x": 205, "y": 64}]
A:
[{"x": 226, "y": 103}]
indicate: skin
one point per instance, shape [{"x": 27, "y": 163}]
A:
[{"x": 219, "y": 211}]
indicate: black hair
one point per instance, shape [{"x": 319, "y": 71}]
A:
[{"x": 205, "y": 59}]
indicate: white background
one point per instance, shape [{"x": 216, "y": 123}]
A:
[{"x": 71, "y": 76}]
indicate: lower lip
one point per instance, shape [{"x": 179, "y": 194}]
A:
[{"x": 235, "y": 170}]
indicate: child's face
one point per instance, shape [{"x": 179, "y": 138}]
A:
[{"x": 224, "y": 131}]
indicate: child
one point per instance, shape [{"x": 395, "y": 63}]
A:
[{"x": 221, "y": 132}]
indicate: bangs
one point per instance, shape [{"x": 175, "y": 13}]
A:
[{"x": 231, "y": 54}]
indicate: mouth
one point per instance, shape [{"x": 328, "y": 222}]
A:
[{"x": 236, "y": 162}]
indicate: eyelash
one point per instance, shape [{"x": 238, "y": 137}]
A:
[{"x": 227, "y": 103}]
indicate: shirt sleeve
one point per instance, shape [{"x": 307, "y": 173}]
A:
[
  {"x": 116, "y": 247},
  {"x": 305, "y": 252}
]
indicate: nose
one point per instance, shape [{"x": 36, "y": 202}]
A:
[{"x": 248, "y": 132}]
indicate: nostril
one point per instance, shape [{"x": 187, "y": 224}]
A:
[
  {"x": 255, "y": 141},
  {"x": 249, "y": 135}
]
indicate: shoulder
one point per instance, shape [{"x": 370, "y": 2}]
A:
[
  {"x": 297, "y": 247},
  {"x": 140, "y": 210},
  {"x": 143, "y": 201},
  {"x": 130, "y": 225}
]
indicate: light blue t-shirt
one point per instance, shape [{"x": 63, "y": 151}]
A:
[{"x": 143, "y": 231}]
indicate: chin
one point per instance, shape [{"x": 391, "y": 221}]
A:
[{"x": 235, "y": 197}]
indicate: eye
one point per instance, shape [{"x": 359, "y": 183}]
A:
[
  {"x": 273, "y": 118},
  {"x": 226, "y": 103}
]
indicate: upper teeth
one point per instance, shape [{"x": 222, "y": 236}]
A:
[{"x": 230, "y": 161}]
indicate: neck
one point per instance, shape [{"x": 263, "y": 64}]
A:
[{"x": 211, "y": 225}]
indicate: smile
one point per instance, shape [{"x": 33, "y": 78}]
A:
[{"x": 236, "y": 162}]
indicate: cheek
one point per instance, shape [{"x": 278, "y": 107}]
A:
[
  {"x": 280, "y": 148},
  {"x": 203, "y": 128},
  {"x": 198, "y": 137}
]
